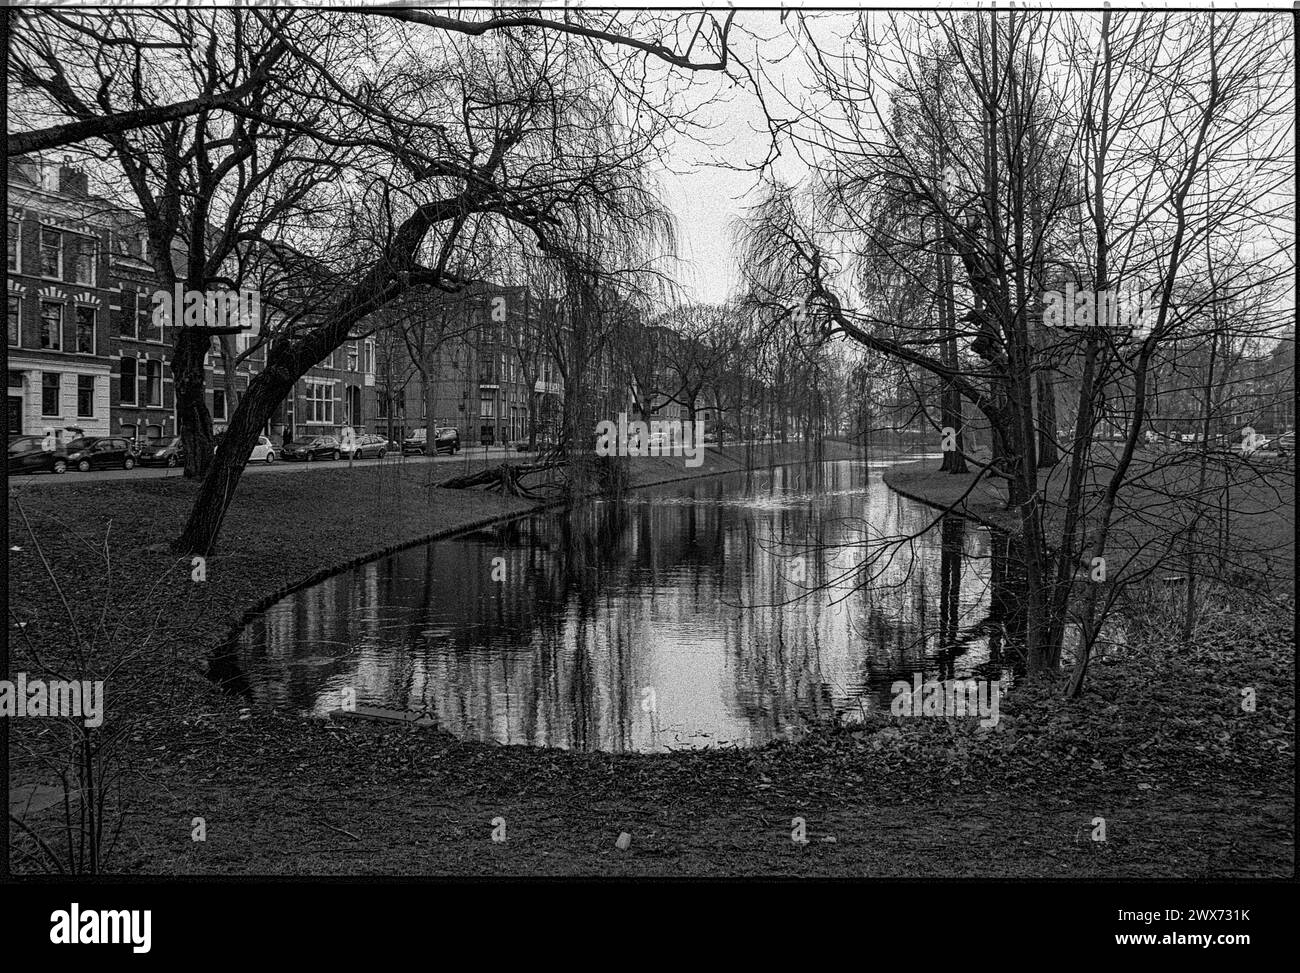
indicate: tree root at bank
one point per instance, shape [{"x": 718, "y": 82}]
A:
[{"x": 506, "y": 478}]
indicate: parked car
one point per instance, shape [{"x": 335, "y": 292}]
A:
[
  {"x": 99, "y": 452},
  {"x": 28, "y": 455},
  {"x": 416, "y": 442},
  {"x": 263, "y": 451},
  {"x": 322, "y": 447},
  {"x": 446, "y": 440},
  {"x": 170, "y": 452},
  {"x": 366, "y": 446}
]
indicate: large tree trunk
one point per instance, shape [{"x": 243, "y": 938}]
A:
[
  {"x": 264, "y": 394},
  {"x": 189, "y": 348}
]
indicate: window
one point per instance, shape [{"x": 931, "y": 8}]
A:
[
  {"x": 84, "y": 251},
  {"x": 50, "y": 394},
  {"x": 12, "y": 243},
  {"x": 51, "y": 325},
  {"x": 370, "y": 357},
  {"x": 487, "y": 405},
  {"x": 381, "y": 407},
  {"x": 51, "y": 253},
  {"x": 320, "y": 402},
  {"x": 15, "y": 320},
  {"x": 127, "y": 383},
  {"x": 86, "y": 396},
  {"x": 353, "y": 356},
  {"x": 149, "y": 331},
  {"x": 85, "y": 330},
  {"x": 153, "y": 433},
  {"x": 153, "y": 383},
  {"x": 124, "y": 317},
  {"x": 128, "y": 430},
  {"x": 134, "y": 245},
  {"x": 218, "y": 404}
]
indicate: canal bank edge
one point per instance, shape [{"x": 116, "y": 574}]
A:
[{"x": 944, "y": 491}]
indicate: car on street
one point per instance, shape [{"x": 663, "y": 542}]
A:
[
  {"x": 88, "y": 453},
  {"x": 164, "y": 452},
  {"x": 27, "y": 454},
  {"x": 263, "y": 451},
  {"x": 321, "y": 447},
  {"x": 416, "y": 442},
  {"x": 445, "y": 440},
  {"x": 364, "y": 447}
]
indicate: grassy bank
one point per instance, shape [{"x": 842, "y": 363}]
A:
[
  {"x": 1189, "y": 783},
  {"x": 1153, "y": 514}
]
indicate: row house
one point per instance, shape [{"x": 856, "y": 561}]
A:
[
  {"x": 86, "y": 356},
  {"x": 59, "y": 299},
  {"x": 142, "y": 398}
]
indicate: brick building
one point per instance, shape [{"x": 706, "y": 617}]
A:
[
  {"x": 59, "y": 293},
  {"x": 486, "y": 359}
]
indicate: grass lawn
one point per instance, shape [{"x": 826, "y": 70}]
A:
[{"x": 1255, "y": 499}]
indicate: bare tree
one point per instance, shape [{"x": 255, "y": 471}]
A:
[{"x": 1058, "y": 178}]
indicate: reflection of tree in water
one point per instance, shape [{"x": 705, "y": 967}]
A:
[
  {"x": 991, "y": 617},
  {"x": 557, "y": 655}
]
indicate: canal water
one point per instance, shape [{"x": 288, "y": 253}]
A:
[{"x": 720, "y": 612}]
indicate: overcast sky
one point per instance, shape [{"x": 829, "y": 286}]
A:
[{"x": 704, "y": 192}]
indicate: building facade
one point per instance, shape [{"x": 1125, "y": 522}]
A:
[
  {"x": 487, "y": 362},
  {"x": 59, "y": 299},
  {"x": 86, "y": 356}
]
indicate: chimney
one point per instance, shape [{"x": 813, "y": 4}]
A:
[{"x": 72, "y": 181}]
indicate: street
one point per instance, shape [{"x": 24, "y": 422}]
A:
[{"x": 279, "y": 466}]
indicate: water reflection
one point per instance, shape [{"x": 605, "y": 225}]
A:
[{"x": 721, "y": 612}]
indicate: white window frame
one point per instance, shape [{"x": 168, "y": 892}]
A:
[
  {"x": 41, "y": 324},
  {"x": 18, "y": 338},
  {"x": 135, "y": 380},
  {"x": 76, "y": 328},
  {"x": 91, "y": 413},
  {"x": 58, "y": 396},
  {"x": 94, "y": 259},
  {"x": 320, "y": 402},
  {"x": 148, "y": 363},
  {"x": 131, "y": 313},
  {"x": 17, "y": 238},
  {"x": 40, "y": 251}
]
